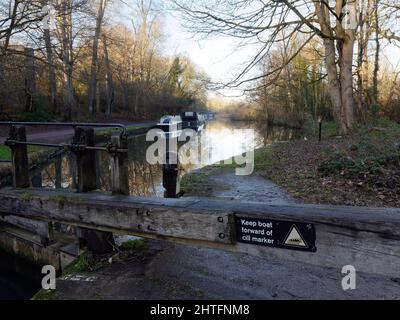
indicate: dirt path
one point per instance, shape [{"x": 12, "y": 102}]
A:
[
  {"x": 250, "y": 188},
  {"x": 166, "y": 271}
]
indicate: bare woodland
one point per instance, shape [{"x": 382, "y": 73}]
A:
[
  {"x": 74, "y": 59},
  {"x": 314, "y": 57}
]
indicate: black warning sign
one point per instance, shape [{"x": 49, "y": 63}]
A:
[{"x": 274, "y": 233}]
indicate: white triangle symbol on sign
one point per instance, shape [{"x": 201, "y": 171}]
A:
[{"x": 295, "y": 239}]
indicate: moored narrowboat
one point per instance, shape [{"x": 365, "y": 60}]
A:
[
  {"x": 171, "y": 126},
  {"x": 192, "y": 120}
]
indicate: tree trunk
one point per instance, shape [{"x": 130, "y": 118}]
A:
[
  {"x": 51, "y": 71},
  {"x": 362, "y": 61},
  {"x": 93, "y": 73},
  {"x": 69, "y": 99},
  {"x": 110, "y": 83},
  {"x": 67, "y": 58},
  {"x": 375, "y": 94},
  {"x": 340, "y": 83},
  {"x": 30, "y": 80},
  {"x": 333, "y": 82},
  {"x": 346, "y": 81}
]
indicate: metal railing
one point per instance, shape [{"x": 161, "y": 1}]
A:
[
  {"x": 64, "y": 124},
  {"x": 69, "y": 146}
]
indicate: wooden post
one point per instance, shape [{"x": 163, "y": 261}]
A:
[
  {"x": 19, "y": 155},
  {"x": 85, "y": 159},
  {"x": 20, "y": 168},
  {"x": 171, "y": 179},
  {"x": 119, "y": 164},
  {"x": 97, "y": 242}
]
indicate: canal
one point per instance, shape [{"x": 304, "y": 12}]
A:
[{"x": 220, "y": 140}]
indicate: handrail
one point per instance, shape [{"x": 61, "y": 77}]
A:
[
  {"x": 64, "y": 124},
  {"x": 110, "y": 148}
]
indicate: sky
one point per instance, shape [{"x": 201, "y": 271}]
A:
[{"x": 220, "y": 57}]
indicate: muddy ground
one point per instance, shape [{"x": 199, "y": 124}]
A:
[{"x": 166, "y": 271}]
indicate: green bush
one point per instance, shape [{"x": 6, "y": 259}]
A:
[
  {"x": 41, "y": 113},
  {"x": 136, "y": 245}
]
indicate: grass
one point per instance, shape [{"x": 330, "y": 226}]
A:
[
  {"x": 134, "y": 245},
  {"x": 329, "y": 129},
  {"x": 27, "y": 196},
  {"x": 311, "y": 129},
  {"x": 197, "y": 182},
  {"x": 111, "y": 130},
  {"x": 58, "y": 198},
  {"x": 45, "y": 295},
  {"x": 81, "y": 264},
  {"x": 5, "y": 152},
  {"x": 85, "y": 263}
]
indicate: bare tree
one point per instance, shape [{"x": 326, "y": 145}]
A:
[
  {"x": 102, "y": 4},
  {"x": 71, "y": 27},
  {"x": 17, "y": 16},
  {"x": 52, "y": 80},
  {"x": 109, "y": 78},
  {"x": 334, "y": 22},
  {"x": 376, "y": 64}
]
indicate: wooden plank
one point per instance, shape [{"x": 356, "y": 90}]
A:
[
  {"x": 359, "y": 218},
  {"x": 139, "y": 218},
  {"x": 41, "y": 228},
  {"x": 368, "y": 238},
  {"x": 119, "y": 165}
]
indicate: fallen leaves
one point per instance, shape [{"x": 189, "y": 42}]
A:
[{"x": 368, "y": 169}]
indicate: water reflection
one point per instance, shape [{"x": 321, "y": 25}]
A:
[{"x": 220, "y": 140}]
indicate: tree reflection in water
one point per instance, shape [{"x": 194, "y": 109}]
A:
[{"x": 217, "y": 142}]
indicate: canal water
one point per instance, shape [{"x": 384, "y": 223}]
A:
[
  {"x": 220, "y": 140},
  {"x": 19, "y": 279}
]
